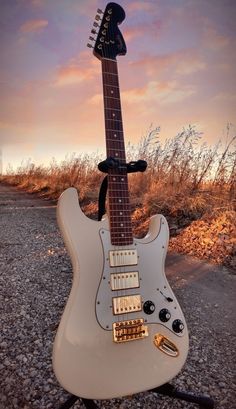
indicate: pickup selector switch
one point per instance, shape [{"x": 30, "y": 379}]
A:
[
  {"x": 164, "y": 315},
  {"x": 148, "y": 307},
  {"x": 177, "y": 326}
]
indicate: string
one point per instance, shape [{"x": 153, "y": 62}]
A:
[{"x": 119, "y": 182}]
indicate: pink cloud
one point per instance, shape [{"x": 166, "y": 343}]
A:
[
  {"x": 33, "y": 26},
  {"x": 139, "y": 6}
]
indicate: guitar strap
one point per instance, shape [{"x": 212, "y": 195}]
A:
[{"x": 111, "y": 163}]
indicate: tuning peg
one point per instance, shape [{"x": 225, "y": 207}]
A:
[
  {"x": 97, "y": 17},
  {"x": 95, "y": 24},
  {"x": 93, "y": 31},
  {"x": 91, "y": 38},
  {"x": 90, "y": 45},
  {"x": 99, "y": 11}
]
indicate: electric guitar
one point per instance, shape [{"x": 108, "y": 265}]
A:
[{"x": 122, "y": 330}]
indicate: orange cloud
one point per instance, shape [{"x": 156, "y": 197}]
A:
[
  {"x": 214, "y": 40},
  {"x": 183, "y": 62},
  {"x": 33, "y": 26},
  {"x": 168, "y": 92},
  {"x": 76, "y": 71},
  {"x": 132, "y": 32}
]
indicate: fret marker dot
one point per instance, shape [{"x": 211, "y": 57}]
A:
[
  {"x": 113, "y": 114},
  {"x": 120, "y": 200},
  {"x": 116, "y": 154},
  {"x": 114, "y": 178},
  {"x": 121, "y": 213},
  {"x": 122, "y": 179},
  {"x": 112, "y": 92},
  {"x": 115, "y": 135},
  {"x": 121, "y": 225},
  {"x": 122, "y": 235}
]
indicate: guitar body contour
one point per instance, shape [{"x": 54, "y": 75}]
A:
[{"x": 86, "y": 360}]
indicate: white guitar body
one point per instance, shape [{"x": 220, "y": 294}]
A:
[{"x": 86, "y": 360}]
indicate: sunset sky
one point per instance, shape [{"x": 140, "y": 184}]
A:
[{"x": 179, "y": 70}]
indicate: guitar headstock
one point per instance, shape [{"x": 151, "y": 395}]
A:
[{"x": 109, "y": 41}]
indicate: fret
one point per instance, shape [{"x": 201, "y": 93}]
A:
[
  {"x": 118, "y": 99},
  {"x": 116, "y": 197},
  {"x": 110, "y": 73},
  {"x": 117, "y": 149},
  {"x": 114, "y": 130},
  {"x": 113, "y": 119},
  {"x": 112, "y": 140},
  {"x": 115, "y": 190},
  {"x": 120, "y": 208},
  {"x": 112, "y": 109},
  {"x": 113, "y": 216},
  {"x": 111, "y": 85}
]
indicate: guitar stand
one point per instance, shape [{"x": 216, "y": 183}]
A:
[{"x": 167, "y": 389}]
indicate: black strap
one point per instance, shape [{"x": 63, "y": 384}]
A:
[
  {"x": 111, "y": 163},
  {"x": 102, "y": 198}
]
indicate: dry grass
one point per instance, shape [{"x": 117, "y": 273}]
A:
[{"x": 185, "y": 179}]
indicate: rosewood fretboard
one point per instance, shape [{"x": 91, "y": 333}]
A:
[{"x": 118, "y": 194}]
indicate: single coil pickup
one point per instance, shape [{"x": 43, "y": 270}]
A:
[
  {"x": 120, "y": 258},
  {"x": 129, "y": 330},
  {"x": 127, "y": 304},
  {"x": 123, "y": 281}
]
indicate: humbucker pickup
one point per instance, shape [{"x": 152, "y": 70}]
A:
[
  {"x": 123, "y": 258},
  {"x": 123, "y": 281},
  {"x": 126, "y": 304}
]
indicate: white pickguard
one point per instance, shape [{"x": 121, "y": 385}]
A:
[
  {"x": 86, "y": 360},
  {"x": 153, "y": 283}
]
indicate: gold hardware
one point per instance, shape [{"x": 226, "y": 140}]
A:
[
  {"x": 127, "y": 304},
  {"x": 123, "y": 258},
  {"x": 166, "y": 345},
  {"x": 122, "y": 281},
  {"x": 129, "y": 330}
]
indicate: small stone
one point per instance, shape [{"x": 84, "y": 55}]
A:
[{"x": 222, "y": 384}]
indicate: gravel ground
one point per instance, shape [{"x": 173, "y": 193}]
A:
[{"x": 35, "y": 282}]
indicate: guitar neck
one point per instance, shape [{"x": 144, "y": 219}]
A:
[{"x": 118, "y": 193}]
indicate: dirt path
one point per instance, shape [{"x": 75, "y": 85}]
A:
[{"x": 35, "y": 282}]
